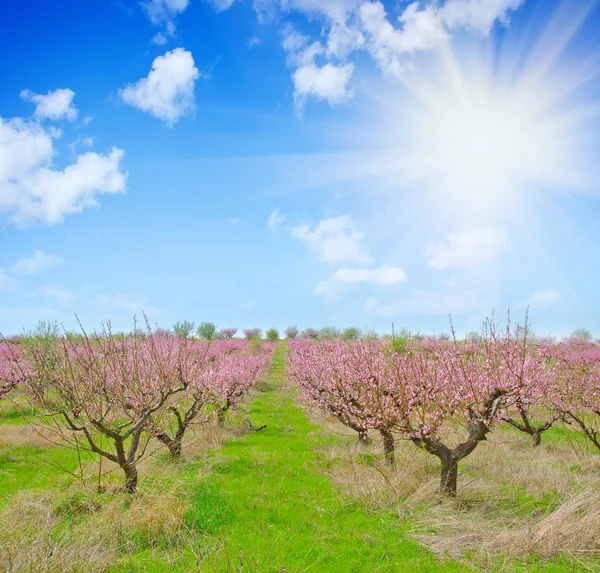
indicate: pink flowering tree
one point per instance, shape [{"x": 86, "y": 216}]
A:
[
  {"x": 422, "y": 390},
  {"x": 170, "y": 424},
  {"x": 531, "y": 373},
  {"x": 341, "y": 379},
  {"x": 310, "y": 334},
  {"x": 439, "y": 387},
  {"x": 233, "y": 375},
  {"x": 425, "y": 389},
  {"x": 228, "y": 332},
  {"x": 292, "y": 332},
  {"x": 12, "y": 367},
  {"x": 251, "y": 333},
  {"x": 219, "y": 374},
  {"x": 102, "y": 391},
  {"x": 577, "y": 393}
]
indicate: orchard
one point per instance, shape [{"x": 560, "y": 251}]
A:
[
  {"x": 424, "y": 390},
  {"x": 138, "y": 403}
]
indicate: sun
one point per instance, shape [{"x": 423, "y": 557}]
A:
[
  {"x": 482, "y": 137},
  {"x": 479, "y": 145}
]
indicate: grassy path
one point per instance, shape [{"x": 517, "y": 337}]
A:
[{"x": 273, "y": 511}]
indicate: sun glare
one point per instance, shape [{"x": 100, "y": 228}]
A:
[
  {"x": 483, "y": 140},
  {"x": 480, "y": 146}
]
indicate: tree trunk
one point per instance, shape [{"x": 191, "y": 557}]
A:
[
  {"x": 174, "y": 444},
  {"x": 363, "y": 437},
  {"x": 449, "y": 476},
  {"x": 388, "y": 446},
  {"x": 131, "y": 478},
  {"x": 222, "y": 411},
  {"x": 536, "y": 438},
  {"x": 175, "y": 449}
]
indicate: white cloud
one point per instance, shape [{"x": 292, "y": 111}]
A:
[
  {"x": 222, "y": 5},
  {"x": 57, "y": 104},
  {"x": 32, "y": 189},
  {"x": 335, "y": 240},
  {"x": 276, "y": 219},
  {"x": 430, "y": 303},
  {"x": 328, "y": 82},
  {"x": 540, "y": 298},
  {"x": 331, "y": 10},
  {"x": 467, "y": 247},
  {"x": 159, "y": 39},
  {"x": 385, "y": 275},
  {"x": 163, "y": 13},
  {"x": 253, "y": 42},
  {"x": 59, "y": 294},
  {"x": 342, "y": 40},
  {"x": 325, "y": 82},
  {"x": 167, "y": 92},
  {"x": 129, "y": 303},
  {"x": 81, "y": 142},
  {"x": 295, "y": 45},
  {"x": 353, "y": 25},
  {"x": 36, "y": 263},
  {"x": 478, "y": 15},
  {"x": 421, "y": 30}
]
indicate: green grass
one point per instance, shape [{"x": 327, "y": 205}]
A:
[
  {"x": 31, "y": 467},
  {"x": 14, "y": 410}
]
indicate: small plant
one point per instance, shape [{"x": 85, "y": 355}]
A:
[
  {"x": 251, "y": 333},
  {"x": 474, "y": 336},
  {"x": 162, "y": 333},
  {"x": 329, "y": 333},
  {"x": 272, "y": 334},
  {"x": 351, "y": 333},
  {"x": 206, "y": 330},
  {"x": 183, "y": 329},
  {"x": 581, "y": 334},
  {"x": 292, "y": 332},
  {"x": 310, "y": 334},
  {"x": 228, "y": 332}
]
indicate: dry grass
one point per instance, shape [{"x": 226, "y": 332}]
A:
[
  {"x": 25, "y": 435},
  {"x": 573, "y": 525},
  {"x": 514, "y": 502},
  {"x": 487, "y": 535},
  {"x": 31, "y": 539},
  {"x": 79, "y": 530}
]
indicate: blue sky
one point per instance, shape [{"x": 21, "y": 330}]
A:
[{"x": 340, "y": 162}]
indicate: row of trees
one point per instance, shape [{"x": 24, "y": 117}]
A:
[
  {"x": 111, "y": 394},
  {"x": 446, "y": 396},
  {"x": 208, "y": 331}
]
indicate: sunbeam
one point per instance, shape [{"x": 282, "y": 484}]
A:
[{"x": 480, "y": 139}]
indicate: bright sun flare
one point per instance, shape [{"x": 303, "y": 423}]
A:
[
  {"x": 484, "y": 147},
  {"x": 483, "y": 140}
]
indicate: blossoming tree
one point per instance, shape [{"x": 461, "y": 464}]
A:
[{"x": 103, "y": 390}]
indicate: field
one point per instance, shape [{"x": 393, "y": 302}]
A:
[{"x": 276, "y": 485}]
